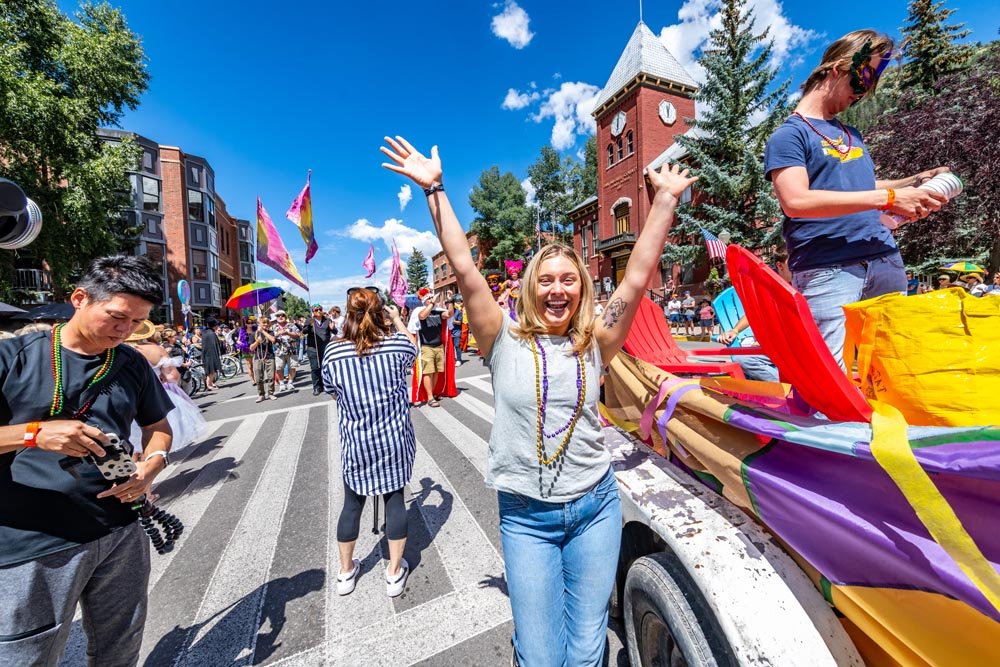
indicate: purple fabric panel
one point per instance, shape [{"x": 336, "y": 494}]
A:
[
  {"x": 847, "y": 518},
  {"x": 967, "y": 459},
  {"x": 754, "y": 423}
]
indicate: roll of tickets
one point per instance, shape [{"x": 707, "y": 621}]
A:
[{"x": 947, "y": 184}]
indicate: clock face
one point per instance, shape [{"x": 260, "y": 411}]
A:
[
  {"x": 668, "y": 112},
  {"x": 618, "y": 123}
]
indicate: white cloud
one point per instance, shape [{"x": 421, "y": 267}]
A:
[
  {"x": 569, "y": 107},
  {"x": 405, "y": 195},
  {"x": 686, "y": 39},
  {"x": 518, "y": 100},
  {"x": 407, "y": 239},
  {"x": 512, "y": 24},
  {"x": 529, "y": 192}
]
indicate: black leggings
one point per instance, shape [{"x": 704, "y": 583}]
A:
[{"x": 350, "y": 518}]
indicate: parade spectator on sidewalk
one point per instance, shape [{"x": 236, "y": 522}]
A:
[
  {"x": 944, "y": 281},
  {"x": 688, "y": 306},
  {"x": 839, "y": 250},
  {"x": 288, "y": 336},
  {"x": 674, "y": 312},
  {"x": 994, "y": 287},
  {"x": 560, "y": 514},
  {"x": 211, "y": 356},
  {"x": 428, "y": 323},
  {"x": 974, "y": 283},
  {"x": 338, "y": 322},
  {"x": 706, "y": 317},
  {"x": 318, "y": 331},
  {"x": 262, "y": 349},
  {"x": 456, "y": 327},
  {"x": 365, "y": 370},
  {"x": 67, "y": 540}
]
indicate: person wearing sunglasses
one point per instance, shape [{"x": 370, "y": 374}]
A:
[
  {"x": 824, "y": 178},
  {"x": 317, "y": 332}
]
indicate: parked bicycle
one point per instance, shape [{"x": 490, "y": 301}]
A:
[{"x": 231, "y": 366}]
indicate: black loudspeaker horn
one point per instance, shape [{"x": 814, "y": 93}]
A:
[{"x": 20, "y": 218}]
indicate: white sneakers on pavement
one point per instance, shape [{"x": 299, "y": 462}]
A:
[
  {"x": 347, "y": 580},
  {"x": 394, "y": 585}
]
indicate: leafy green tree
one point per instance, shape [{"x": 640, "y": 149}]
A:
[
  {"x": 930, "y": 44},
  {"x": 61, "y": 79},
  {"x": 295, "y": 306},
  {"x": 416, "y": 270},
  {"x": 503, "y": 220},
  {"x": 581, "y": 177},
  {"x": 727, "y": 148}
]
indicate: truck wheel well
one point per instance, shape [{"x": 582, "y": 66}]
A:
[{"x": 638, "y": 540}]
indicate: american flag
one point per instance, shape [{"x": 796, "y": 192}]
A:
[{"x": 716, "y": 248}]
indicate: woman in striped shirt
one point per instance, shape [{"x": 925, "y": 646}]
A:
[{"x": 365, "y": 371}]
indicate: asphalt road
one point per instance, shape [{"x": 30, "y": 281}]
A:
[{"x": 251, "y": 578}]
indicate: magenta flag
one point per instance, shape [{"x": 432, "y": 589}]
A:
[
  {"x": 271, "y": 251},
  {"x": 369, "y": 263},
  {"x": 397, "y": 283},
  {"x": 301, "y": 214}
]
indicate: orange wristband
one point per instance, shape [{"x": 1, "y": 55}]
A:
[
  {"x": 31, "y": 434},
  {"x": 890, "y": 199}
]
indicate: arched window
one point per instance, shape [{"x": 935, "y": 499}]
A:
[
  {"x": 628, "y": 139},
  {"x": 611, "y": 155},
  {"x": 622, "y": 218},
  {"x": 621, "y": 150}
]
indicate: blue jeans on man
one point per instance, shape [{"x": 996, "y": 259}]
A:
[
  {"x": 456, "y": 341},
  {"x": 830, "y": 288},
  {"x": 561, "y": 560}
]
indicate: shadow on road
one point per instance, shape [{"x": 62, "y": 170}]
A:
[{"x": 192, "y": 480}]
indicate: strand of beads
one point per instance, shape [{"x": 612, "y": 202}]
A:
[
  {"x": 545, "y": 387},
  {"x": 577, "y": 411},
  {"x": 57, "y": 372}
]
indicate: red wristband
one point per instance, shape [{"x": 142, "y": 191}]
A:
[{"x": 31, "y": 434}]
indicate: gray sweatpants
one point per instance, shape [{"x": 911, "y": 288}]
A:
[{"x": 107, "y": 577}]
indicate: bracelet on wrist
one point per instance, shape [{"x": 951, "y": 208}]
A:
[
  {"x": 31, "y": 434},
  {"x": 890, "y": 199},
  {"x": 435, "y": 187}
]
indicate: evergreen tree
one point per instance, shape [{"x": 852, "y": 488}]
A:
[
  {"x": 62, "y": 78},
  {"x": 550, "y": 177},
  {"x": 929, "y": 44},
  {"x": 416, "y": 270},
  {"x": 726, "y": 148},
  {"x": 581, "y": 177},
  {"x": 503, "y": 221}
]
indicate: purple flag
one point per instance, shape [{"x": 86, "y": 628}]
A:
[
  {"x": 369, "y": 263},
  {"x": 397, "y": 283}
]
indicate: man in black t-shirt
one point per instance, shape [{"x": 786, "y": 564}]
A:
[
  {"x": 429, "y": 322},
  {"x": 67, "y": 535},
  {"x": 317, "y": 332}
]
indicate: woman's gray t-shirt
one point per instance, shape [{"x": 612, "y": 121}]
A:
[{"x": 512, "y": 464}]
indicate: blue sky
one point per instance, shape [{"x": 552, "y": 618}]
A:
[{"x": 267, "y": 90}]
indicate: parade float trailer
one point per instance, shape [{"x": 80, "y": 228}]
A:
[{"x": 759, "y": 532}]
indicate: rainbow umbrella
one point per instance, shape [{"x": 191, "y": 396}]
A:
[
  {"x": 252, "y": 295},
  {"x": 964, "y": 267}
]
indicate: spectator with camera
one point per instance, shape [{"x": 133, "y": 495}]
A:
[
  {"x": 317, "y": 332},
  {"x": 428, "y": 323},
  {"x": 288, "y": 336},
  {"x": 68, "y": 536}
]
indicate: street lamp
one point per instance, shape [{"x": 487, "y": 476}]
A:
[{"x": 725, "y": 236}]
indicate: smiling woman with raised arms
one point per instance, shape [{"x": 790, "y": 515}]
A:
[{"x": 560, "y": 517}]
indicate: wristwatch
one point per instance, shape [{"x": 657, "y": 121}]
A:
[{"x": 166, "y": 458}]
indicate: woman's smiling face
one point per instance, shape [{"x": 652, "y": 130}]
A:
[{"x": 558, "y": 295}]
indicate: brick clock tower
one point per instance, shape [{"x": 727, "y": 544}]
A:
[{"x": 641, "y": 110}]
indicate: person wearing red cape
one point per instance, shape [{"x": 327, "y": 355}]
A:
[{"x": 443, "y": 382}]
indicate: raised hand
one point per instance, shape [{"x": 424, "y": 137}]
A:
[
  {"x": 673, "y": 180},
  {"x": 410, "y": 162}
]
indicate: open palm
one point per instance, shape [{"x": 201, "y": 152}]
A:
[
  {"x": 674, "y": 180},
  {"x": 408, "y": 161}
]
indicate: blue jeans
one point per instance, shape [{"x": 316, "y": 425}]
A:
[
  {"x": 456, "y": 342},
  {"x": 829, "y": 288},
  {"x": 561, "y": 560}
]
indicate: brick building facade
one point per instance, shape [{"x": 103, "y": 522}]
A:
[
  {"x": 443, "y": 275},
  {"x": 640, "y": 112}
]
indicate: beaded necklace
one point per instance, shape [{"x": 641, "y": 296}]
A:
[
  {"x": 542, "y": 396},
  {"x": 840, "y": 148},
  {"x": 57, "y": 374}
]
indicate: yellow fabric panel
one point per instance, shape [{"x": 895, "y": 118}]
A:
[{"x": 917, "y": 628}]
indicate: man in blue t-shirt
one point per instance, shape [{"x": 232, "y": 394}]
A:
[{"x": 839, "y": 250}]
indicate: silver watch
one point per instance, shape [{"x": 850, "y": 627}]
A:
[{"x": 166, "y": 458}]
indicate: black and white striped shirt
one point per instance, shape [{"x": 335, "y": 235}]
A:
[{"x": 373, "y": 404}]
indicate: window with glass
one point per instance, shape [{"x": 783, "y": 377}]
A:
[
  {"x": 150, "y": 194},
  {"x": 195, "y": 175},
  {"x": 209, "y": 181},
  {"x": 149, "y": 160},
  {"x": 621, "y": 219},
  {"x": 213, "y": 240},
  {"x": 621, "y": 149},
  {"x": 196, "y": 206},
  {"x": 593, "y": 236},
  {"x": 444, "y": 269},
  {"x": 152, "y": 226},
  {"x": 686, "y": 195},
  {"x": 213, "y": 266},
  {"x": 244, "y": 252},
  {"x": 199, "y": 264},
  {"x": 210, "y": 209},
  {"x": 583, "y": 242},
  {"x": 475, "y": 254},
  {"x": 611, "y": 155},
  {"x": 628, "y": 140}
]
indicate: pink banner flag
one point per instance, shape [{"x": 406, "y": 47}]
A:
[
  {"x": 301, "y": 214},
  {"x": 369, "y": 263},
  {"x": 271, "y": 251},
  {"x": 397, "y": 283}
]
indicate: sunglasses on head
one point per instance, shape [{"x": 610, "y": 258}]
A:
[
  {"x": 370, "y": 288},
  {"x": 863, "y": 75}
]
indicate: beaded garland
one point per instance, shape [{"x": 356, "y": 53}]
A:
[
  {"x": 840, "y": 148},
  {"x": 542, "y": 397},
  {"x": 57, "y": 373}
]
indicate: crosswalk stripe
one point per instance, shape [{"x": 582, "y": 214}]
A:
[
  {"x": 244, "y": 565},
  {"x": 480, "y": 384},
  {"x": 461, "y": 436},
  {"x": 368, "y": 604},
  {"x": 276, "y": 411},
  {"x": 475, "y": 406}
]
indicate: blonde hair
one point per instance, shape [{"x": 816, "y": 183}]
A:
[
  {"x": 839, "y": 54},
  {"x": 529, "y": 320}
]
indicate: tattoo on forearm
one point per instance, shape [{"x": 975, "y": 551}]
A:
[{"x": 613, "y": 312}]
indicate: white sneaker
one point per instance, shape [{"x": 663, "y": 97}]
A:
[
  {"x": 347, "y": 580},
  {"x": 394, "y": 586},
  {"x": 458, "y": 363}
]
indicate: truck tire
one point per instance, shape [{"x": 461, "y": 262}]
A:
[{"x": 668, "y": 622}]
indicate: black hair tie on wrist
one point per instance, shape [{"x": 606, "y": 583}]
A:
[{"x": 437, "y": 187}]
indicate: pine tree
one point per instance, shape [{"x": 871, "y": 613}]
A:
[
  {"x": 503, "y": 223},
  {"x": 726, "y": 148},
  {"x": 416, "y": 270},
  {"x": 550, "y": 177},
  {"x": 929, "y": 44}
]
